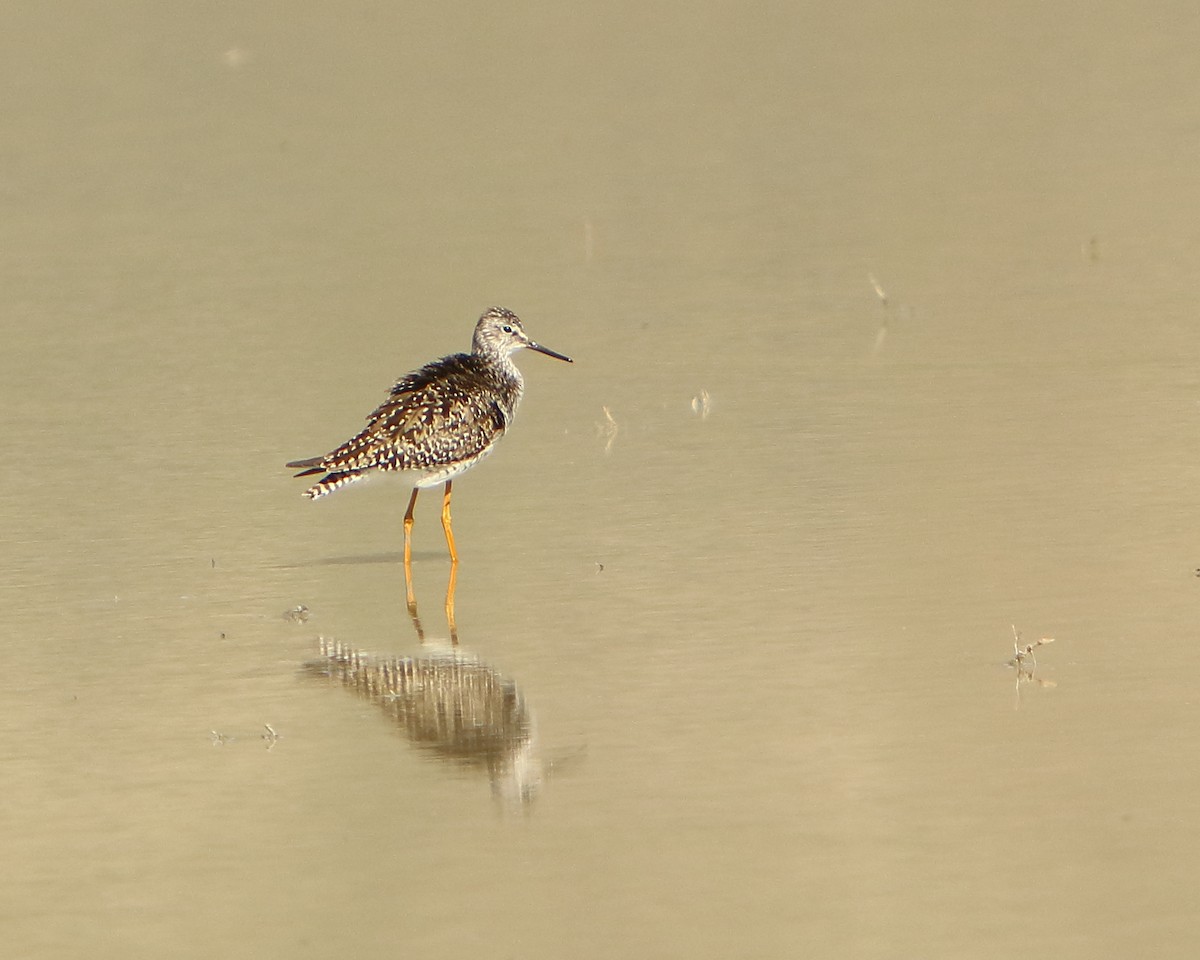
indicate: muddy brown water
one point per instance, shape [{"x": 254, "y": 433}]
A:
[{"x": 884, "y": 322}]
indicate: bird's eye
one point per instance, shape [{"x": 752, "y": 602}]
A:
[{"x": 506, "y": 328}]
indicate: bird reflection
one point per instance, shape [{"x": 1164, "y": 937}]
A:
[
  {"x": 411, "y": 602},
  {"x": 448, "y": 702}
]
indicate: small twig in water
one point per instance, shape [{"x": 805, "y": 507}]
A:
[
  {"x": 1025, "y": 664},
  {"x": 1023, "y": 653},
  {"x": 608, "y": 429}
]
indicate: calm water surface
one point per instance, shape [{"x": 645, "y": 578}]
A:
[{"x": 884, "y": 328}]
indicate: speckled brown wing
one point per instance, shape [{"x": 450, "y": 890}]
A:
[{"x": 449, "y": 412}]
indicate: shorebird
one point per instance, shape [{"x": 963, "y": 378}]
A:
[{"x": 437, "y": 422}]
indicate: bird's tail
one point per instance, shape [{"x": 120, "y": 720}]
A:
[
  {"x": 311, "y": 465},
  {"x": 328, "y": 483}
]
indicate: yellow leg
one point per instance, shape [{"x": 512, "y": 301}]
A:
[
  {"x": 408, "y": 525},
  {"x": 446, "y": 523},
  {"x": 450, "y": 603}
]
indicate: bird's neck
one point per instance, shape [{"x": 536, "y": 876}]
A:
[{"x": 503, "y": 364}]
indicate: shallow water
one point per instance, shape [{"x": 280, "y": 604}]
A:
[{"x": 884, "y": 332}]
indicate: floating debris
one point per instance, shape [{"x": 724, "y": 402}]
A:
[
  {"x": 881, "y": 334},
  {"x": 270, "y": 736},
  {"x": 608, "y": 429},
  {"x": 879, "y": 292},
  {"x": 1025, "y": 664},
  {"x": 702, "y": 404},
  {"x": 298, "y": 614},
  {"x": 1024, "y": 654}
]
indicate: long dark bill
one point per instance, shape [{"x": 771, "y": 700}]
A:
[{"x": 548, "y": 352}]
